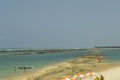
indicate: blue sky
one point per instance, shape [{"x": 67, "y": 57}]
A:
[{"x": 59, "y": 23}]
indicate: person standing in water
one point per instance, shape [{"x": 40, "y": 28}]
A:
[
  {"x": 14, "y": 68},
  {"x": 24, "y": 69}
]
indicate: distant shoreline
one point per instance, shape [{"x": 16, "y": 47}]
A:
[
  {"x": 45, "y": 51},
  {"x": 34, "y": 51},
  {"x": 107, "y": 47}
]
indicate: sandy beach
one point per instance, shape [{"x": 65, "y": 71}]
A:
[
  {"x": 109, "y": 74},
  {"x": 83, "y": 65},
  {"x": 112, "y": 73}
]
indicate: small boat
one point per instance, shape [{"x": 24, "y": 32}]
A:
[{"x": 31, "y": 67}]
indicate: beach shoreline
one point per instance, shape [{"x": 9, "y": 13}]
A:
[
  {"x": 107, "y": 73},
  {"x": 59, "y": 70}
]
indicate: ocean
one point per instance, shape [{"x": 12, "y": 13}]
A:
[{"x": 9, "y": 60}]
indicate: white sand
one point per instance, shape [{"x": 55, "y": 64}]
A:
[{"x": 111, "y": 74}]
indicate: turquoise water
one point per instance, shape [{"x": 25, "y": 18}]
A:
[
  {"x": 112, "y": 55},
  {"x": 9, "y": 60}
]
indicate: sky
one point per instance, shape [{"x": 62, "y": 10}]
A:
[{"x": 59, "y": 23}]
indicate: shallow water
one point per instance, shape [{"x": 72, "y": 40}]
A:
[
  {"x": 9, "y": 60},
  {"x": 112, "y": 55}
]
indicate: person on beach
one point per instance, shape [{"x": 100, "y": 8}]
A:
[
  {"x": 99, "y": 59},
  {"x": 101, "y": 77}
]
